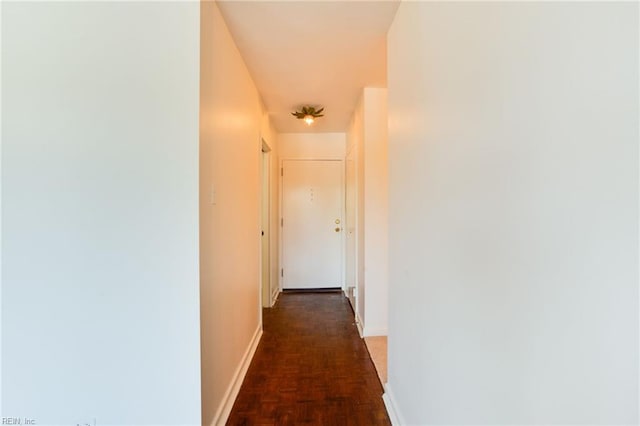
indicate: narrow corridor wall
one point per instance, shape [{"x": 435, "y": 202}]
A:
[
  {"x": 514, "y": 221},
  {"x": 376, "y": 261},
  {"x": 367, "y": 145},
  {"x": 100, "y": 298},
  {"x": 232, "y": 123}
]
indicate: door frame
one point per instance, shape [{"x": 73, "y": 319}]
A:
[
  {"x": 265, "y": 225},
  {"x": 342, "y": 216}
]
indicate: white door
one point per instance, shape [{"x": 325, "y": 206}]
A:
[{"x": 312, "y": 194}]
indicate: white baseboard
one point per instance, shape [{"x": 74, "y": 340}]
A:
[
  {"x": 222, "y": 414},
  {"x": 359, "y": 325},
  {"x": 392, "y": 407},
  {"x": 274, "y": 297},
  {"x": 374, "y": 331}
]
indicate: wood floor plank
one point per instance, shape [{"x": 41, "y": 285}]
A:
[{"x": 310, "y": 368}]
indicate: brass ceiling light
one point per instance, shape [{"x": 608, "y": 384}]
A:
[{"x": 308, "y": 114}]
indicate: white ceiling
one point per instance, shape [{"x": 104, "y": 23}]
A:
[{"x": 318, "y": 53}]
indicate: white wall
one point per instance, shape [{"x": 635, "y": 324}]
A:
[
  {"x": 514, "y": 221},
  {"x": 375, "y": 169},
  {"x": 350, "y": 223},
  {"x": 311, "y": 145},
  {"x": 232, "y": 123},
  {"x": 100, "y": 212},
  {"x": 1, "y": 238},
  {"x": 355, "y": 150},
  {"x": 367, "y": 145},
  {"x": 354, "y": 206}
]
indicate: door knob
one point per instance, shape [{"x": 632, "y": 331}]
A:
[
  {"x": 338, "y": 229},
  {"x": 337, "y": 221}
]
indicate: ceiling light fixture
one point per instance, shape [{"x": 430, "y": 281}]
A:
[{"x": 308, "y": 114}]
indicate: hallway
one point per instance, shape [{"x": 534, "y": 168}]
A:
[
  {"x": 311, "y": 367},
  {"x": 489, "y": 220}
]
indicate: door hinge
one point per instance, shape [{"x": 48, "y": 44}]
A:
[
  {"x": 282, "y": 272},
  {"x": 281, "y": 222},
  {"x": 281, "y": 171}
]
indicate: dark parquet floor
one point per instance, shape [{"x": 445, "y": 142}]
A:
[{"x": 310, "y": 368}]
